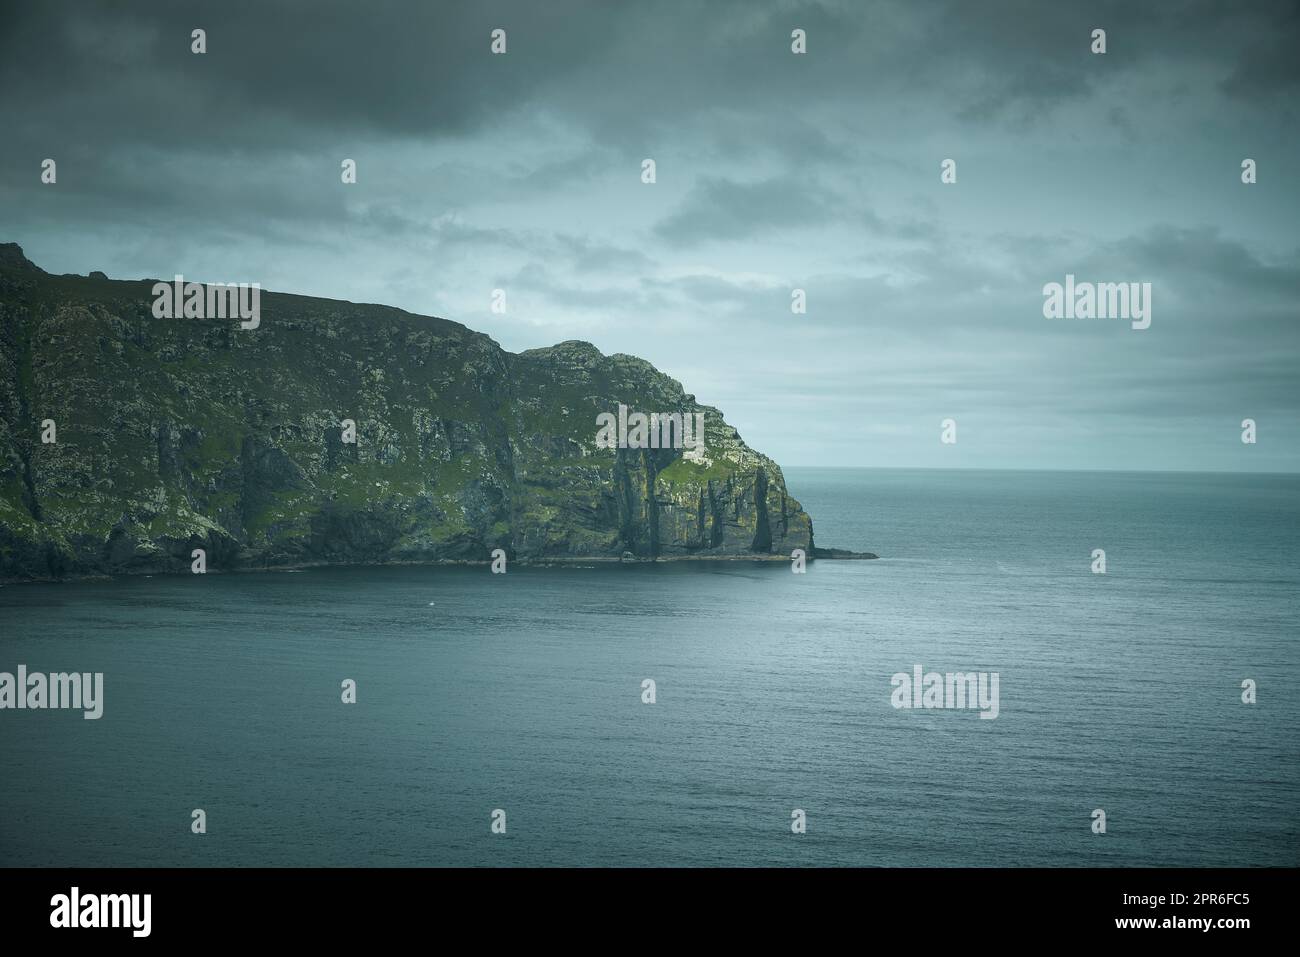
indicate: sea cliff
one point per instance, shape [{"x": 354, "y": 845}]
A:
[{"x": 176, "y": 434}]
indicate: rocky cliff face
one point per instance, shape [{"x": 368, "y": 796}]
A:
[{"x": 175, "y": 434}]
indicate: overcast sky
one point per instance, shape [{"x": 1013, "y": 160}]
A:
[{"x": 775, "y": 171}]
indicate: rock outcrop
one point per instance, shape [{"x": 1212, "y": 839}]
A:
[{"x": 176, "y": 434}]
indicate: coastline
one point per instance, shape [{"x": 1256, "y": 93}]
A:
[{"x": 819, "y": 554}]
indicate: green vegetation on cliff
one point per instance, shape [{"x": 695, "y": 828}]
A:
[{"x": 174, "y": 434}]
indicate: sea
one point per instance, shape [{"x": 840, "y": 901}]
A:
[{"x": 510, "y": 719}]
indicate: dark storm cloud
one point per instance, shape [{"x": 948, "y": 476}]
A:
[
  {"x": 718, "y": 208},
  {"x": 723, "y": 209},
  {"x": 1202, "y": 260},
  {"x": 277, "y": 75},
  {"x": 275, "y": 72},
  {"x": 589, "y": 257}
]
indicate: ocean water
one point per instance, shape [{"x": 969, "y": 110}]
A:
[{"x": 522, "y": 692}]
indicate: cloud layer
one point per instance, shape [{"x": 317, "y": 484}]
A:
[{"x": 775, "y": 171}]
